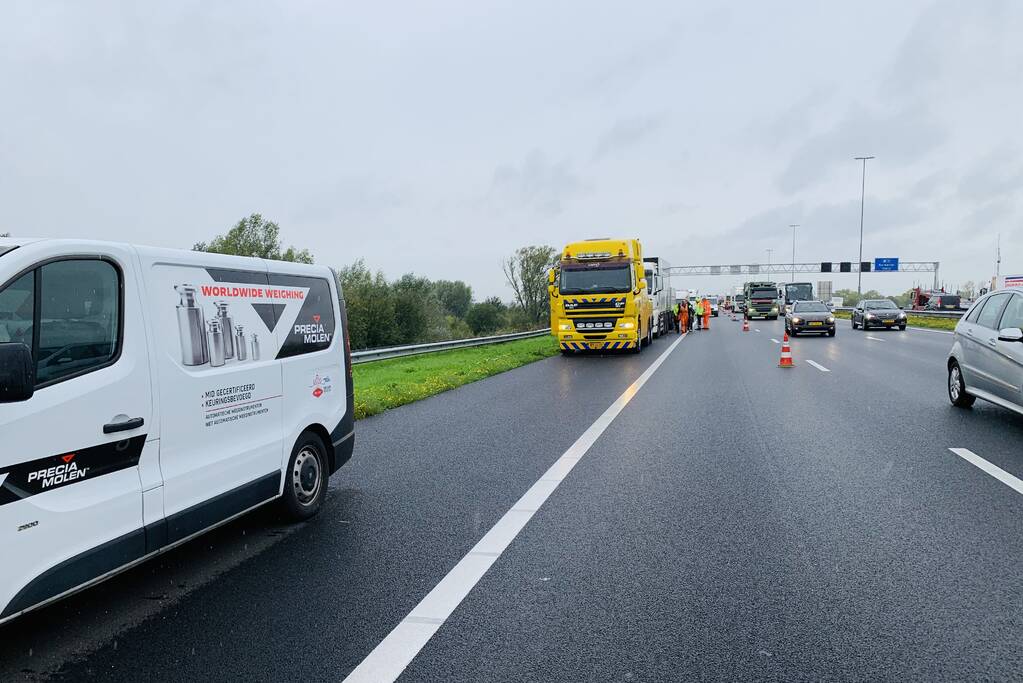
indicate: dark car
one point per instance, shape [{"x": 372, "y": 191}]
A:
[
  {"x": 878, "y": 313},
  {"x": 810, "y": 316}
]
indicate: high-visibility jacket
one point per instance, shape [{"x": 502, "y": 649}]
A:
[
  {"x": 705, "y": 306},
  {"x": 699, "y": 308}
]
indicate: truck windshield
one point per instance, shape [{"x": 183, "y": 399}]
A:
[
  {"x": 764, "y": 294},
  {"x": 798, "y": 291},
  {"x": 595, "y": 280}
]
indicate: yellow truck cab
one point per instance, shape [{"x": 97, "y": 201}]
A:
[{"x": 599, "y": 297}]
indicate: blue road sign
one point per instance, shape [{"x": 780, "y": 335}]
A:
[{"x": 886, "y": 264}]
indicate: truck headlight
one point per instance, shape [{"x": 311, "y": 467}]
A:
[
  {"x": 627, "y": 325},
  {"x": 774, "y": 310},
  {"x": 565, "y": 327}
]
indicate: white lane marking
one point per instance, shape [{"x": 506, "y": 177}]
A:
[
  {"x": 875, "y": 338},
  {"x": 775, "y": 340},
  {"x": 817, "y": 365},
  {"x": 396, "y": 651},
  {"x": 995, "y": 471},
  {"x": 756, "y": 330},
  {"x": 927, "y": 329}
]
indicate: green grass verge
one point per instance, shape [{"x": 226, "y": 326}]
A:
[
  {"x": 385, "y": 384},
  {"x": 918, "y": 321}
]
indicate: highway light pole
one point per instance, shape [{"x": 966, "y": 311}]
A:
[
  {"x": 769, "y": 257},
  {"x": 863, "y": 194},
  {"x": 793, "y": 226}
]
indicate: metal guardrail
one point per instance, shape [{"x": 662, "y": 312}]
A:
[
  {"x": 370, "y": 355},
  {"x": 922, "y": 314}
]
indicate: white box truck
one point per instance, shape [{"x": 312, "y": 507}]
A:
[
  {"x": 658, "y": 279},
  {"x": 149, "y": 395}
]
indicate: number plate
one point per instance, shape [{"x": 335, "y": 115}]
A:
[{"x": 816, "y": 324}]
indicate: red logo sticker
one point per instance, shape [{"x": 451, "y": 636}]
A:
[
  {"x": 317, "y": 392},
  {"x": 68, "y": 458},
  {"x": 316, "y": 318}
]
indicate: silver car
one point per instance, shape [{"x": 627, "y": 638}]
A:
[{"x": 986, "y": 360}]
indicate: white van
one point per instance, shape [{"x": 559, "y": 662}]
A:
[{"x": 149, "y": 395}]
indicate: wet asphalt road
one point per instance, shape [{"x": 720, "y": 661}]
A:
[{"x": 735, "y": 521}]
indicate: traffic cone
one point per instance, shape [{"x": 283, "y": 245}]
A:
[
  {"x": 745, "y": 325},
  {"x": 786, "y": 353}
]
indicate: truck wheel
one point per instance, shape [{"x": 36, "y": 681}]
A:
[{"x": 305, "y": 479}]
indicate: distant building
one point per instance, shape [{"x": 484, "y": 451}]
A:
[{"x": 824, "y": 290}]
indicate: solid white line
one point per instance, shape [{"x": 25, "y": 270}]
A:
[
  {"x": 995, "y": 471},
  {"x": 817, "y": 365},
  {"x": 396, "y": 651},
  {"x": 775, "y": 340},
  {"x": 927, "y": 329},
  {"x": 875, "y": 338},
  {"x": 755, "y": 330}
]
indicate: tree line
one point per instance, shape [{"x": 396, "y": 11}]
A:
[{"x": 411, "y": 309}]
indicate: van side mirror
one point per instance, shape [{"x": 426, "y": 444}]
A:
[
  {"x": 1011, "y": 334},
  {"x": 17, "y": 372}
]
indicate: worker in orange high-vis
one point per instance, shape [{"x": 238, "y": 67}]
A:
[
  {"x": 706, "y": 313},
  {"x": 683, "y": 317}
]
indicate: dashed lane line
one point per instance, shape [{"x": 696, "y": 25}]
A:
[
  {"x": 995, "y": 471},
  {"x": 875, "y": 338},
  {"x": 396, "y": 651},
  {"x": 817, "y": 365},
  {"x": 775, "y": 340}
]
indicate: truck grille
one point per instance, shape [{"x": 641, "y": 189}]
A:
[{"x": 594, "y": 305}]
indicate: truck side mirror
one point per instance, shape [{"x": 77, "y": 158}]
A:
[
  {"x": 642, "y": 286},
  {"x": 550, "y": 276},
  {"x": 17, "y": 372},
  {"x": 552, "y": 290}
]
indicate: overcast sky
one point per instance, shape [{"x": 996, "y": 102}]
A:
[{"x": 438, "y": 137}]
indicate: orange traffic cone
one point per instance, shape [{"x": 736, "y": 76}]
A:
[
  {"x": 745, "y": 324},
  {"x": 786, "y": 353}
]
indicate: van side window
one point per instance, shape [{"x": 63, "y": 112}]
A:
[
  {"x": 17, "y": 304},
  {"x": 972, "y": 317},
  {"x": 1013, "y": 316},
  {"x": 313, "y": 329},
  {"x": 79, "y": 318},
  {"x": 992, "y": 309}
]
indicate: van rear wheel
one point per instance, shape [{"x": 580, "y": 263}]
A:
[{"x": 305, "y": 480}]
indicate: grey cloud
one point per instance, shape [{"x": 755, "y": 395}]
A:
[
  {"x": 536, "y": 185},
  {"x": 905, "y": 136},
  {"x": 968, "y": 43},
  {"x": 1000, "y": 172},
  {"x": 626, "y": 133}
]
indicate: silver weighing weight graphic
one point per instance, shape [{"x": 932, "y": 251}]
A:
[
  {"x": 217, "y": 338},
  {"x": 191, "y": 328}
]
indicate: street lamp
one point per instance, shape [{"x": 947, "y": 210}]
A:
[
  {"x": 793, "y": 226},
  {"x": 863, "y": 194}
]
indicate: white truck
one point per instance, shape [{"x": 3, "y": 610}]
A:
[
  {"x": 658, "y": 279},
  {"x": 148, "y": 395}
]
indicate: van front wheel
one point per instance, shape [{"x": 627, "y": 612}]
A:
[{"x": 305, "y": 480}]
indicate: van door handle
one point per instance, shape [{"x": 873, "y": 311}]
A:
[{"x": 133, "y": 423}]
